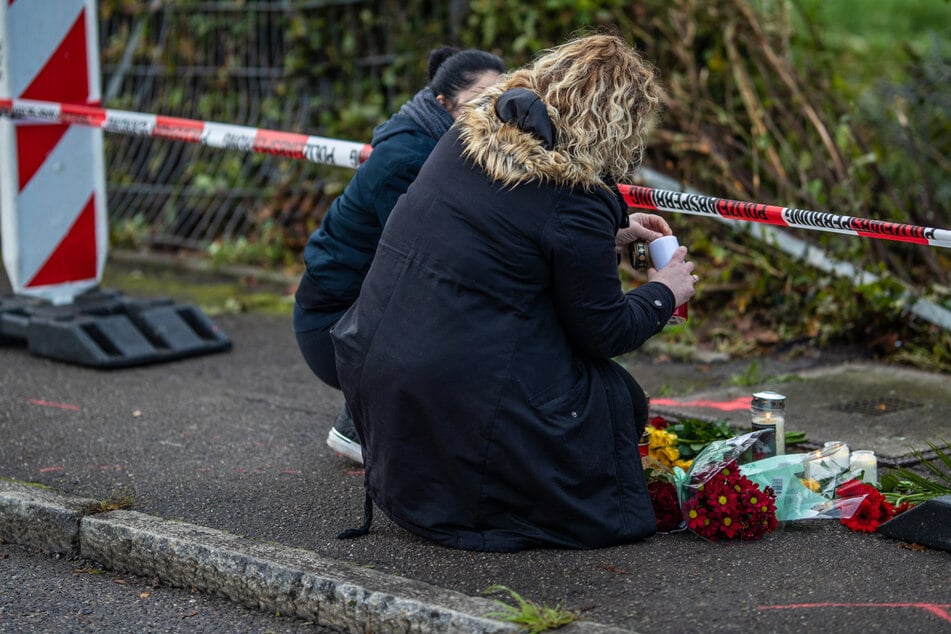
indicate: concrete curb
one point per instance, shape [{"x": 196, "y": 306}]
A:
[
  {"x": 266, "y": 576},
  {"x": 39, "y": 518}
]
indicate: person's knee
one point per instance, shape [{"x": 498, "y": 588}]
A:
[{"x": 318, "y": 352}]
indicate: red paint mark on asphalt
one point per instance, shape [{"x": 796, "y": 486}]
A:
[
  {"x": 356, "y": 472},
  {"x": 204, "y": 469},
  {"x": 940, "y": 610},
  {"x": 42, "y": 403},
  {"x": 290, "y": 472},
  {"x": 49, "y": 469},
  {"x": 740, "y": 403}
]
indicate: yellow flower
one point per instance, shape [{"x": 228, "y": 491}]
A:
[
  {"x": 662, "y": 447},
  {"x": 810, "y": 484}
]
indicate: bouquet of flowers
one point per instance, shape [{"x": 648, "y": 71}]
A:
[
  {"x": 675, "y": 443},
  {"x": 728, "y": 504},
  {"x": 720, "y": 498},
  {"x": 873, "y": 509},
  {"x": 717, "y": 501},
  {"x": 661, "y": 444}
]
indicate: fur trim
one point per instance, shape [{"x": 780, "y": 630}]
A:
[{"x": 511, "y": 156}]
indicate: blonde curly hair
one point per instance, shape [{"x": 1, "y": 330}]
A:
[{"x": 602, "y": 98}]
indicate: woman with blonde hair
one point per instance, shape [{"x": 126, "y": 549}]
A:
[{"x": 477, "y": 359}]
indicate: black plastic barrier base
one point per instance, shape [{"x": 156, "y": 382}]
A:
[
  {"x": 928, "y": 524},
  {"x": 103, "y": 329}
]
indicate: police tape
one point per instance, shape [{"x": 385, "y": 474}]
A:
[
  {"x": 352, "y": 154},
  {"x": 233, "y": 137},
  {"x": 698, "y": 204}
]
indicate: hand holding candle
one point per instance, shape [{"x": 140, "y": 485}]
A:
[{"x": 662, "y": 251}]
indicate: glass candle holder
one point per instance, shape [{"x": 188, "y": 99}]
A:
[
  {"x": 768, "y": 411},
  {"x": 838, "y": 453},
  {"x": 866, "y": 462}
]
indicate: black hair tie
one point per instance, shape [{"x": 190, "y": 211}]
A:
[{"x": 526, "y": 110}]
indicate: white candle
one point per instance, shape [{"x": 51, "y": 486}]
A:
[
  {"x": 866, "y": 462},
  {"x": 768, "y": 411},
  {"x": 838, "y": 453}
]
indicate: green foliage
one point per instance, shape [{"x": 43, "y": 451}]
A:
[
  {"x": 129, "y": 233},
  {"x": 817, "y": 105},
  {"x": 532, "y": 617},
  {"x": 901, "y": 484},
  {"x": 693, "y": 434},
  {"x": 266, "y": 249},
  {"x": 118, "y": 500}
]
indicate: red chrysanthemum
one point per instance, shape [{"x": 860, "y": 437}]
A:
[
  {"x": 663, "y": 496},
  {"x": 697, "y": 519},
  {"x": 724, "y": 503}
]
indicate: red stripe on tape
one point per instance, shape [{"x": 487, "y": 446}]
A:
[
  {"x": 178, "y": 129},
  {"x": 757, "y": 212},
  {"x": 897, "y": 238},
  {"x": 83, "y": 115},
  {"x": 281, "y": 143},
  {"x": 365, "y": 153},
  {"x": 640, "y": 197}
]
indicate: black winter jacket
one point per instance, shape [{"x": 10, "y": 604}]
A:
[
  {"x": 339, "y": 253},
  {"x": 476, "y": 363}
]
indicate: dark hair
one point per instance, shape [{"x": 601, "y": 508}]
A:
[
  {"x": 451, "y": 71},
  {"x": 436, "y": 57}
]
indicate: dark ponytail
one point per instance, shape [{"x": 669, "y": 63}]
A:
[{"x": 451, "y": 71}]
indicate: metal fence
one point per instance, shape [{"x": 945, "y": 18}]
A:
[{"x": 244, "y": 63}]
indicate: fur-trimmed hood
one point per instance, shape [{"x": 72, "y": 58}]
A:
[{"x": 513, "y": 136}]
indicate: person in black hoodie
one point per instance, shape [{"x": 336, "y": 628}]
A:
[
  {"x": 477, "y": 360},
  {"x": 339, "y": 252}
]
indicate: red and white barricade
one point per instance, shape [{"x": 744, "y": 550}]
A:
[{"x": 52, "y": 185}]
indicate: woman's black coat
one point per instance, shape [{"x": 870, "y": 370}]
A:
[{"x": 477, "y": 364}]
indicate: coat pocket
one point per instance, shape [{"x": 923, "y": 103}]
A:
[{"x": 566, "y": 400}]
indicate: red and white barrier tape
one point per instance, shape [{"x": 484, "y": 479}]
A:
[
  {"x": 697, "y": 204},
  {"x": 352, "y": 154},
  {"x": 298, "y": 146}
]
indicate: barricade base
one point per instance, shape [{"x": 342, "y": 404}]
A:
[
  {"x": 103, "y": 329},
  {"x": 928, "y": 524}
]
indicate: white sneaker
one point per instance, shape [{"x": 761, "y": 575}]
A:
[{"x": 343, "y": 438}]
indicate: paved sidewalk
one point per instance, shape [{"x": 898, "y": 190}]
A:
[{"x": 235, "y": 492}]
